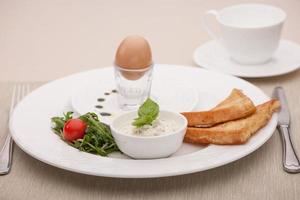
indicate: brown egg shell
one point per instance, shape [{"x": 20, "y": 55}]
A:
[{"x": 134, "y": 52}]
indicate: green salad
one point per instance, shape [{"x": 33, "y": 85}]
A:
[{"x": 85, "y": 133}]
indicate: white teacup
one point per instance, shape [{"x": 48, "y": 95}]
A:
[{"x": 249, "y": 32}]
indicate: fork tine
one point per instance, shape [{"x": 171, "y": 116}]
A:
[
  {"x": 19, "y": 91},
  {"x": 19, "y": 94},
  {"x": 24, "y": 91},
  {"x": 13, "y": 99},
  {"x": 27, "y": 89}
]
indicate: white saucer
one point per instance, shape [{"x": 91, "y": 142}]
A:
[
  {"x": 212, "y": 55},
  {"x": 171, "y": 94}
]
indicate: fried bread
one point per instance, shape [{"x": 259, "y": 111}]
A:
[
  {"x": 235, "y": 106},
  {"x": 234, "y": 132}
]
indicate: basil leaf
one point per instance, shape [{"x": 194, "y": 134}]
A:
[{"x": 147, "y": 113}]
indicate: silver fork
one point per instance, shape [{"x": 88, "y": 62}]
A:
[{"x": 19, "y": 91}]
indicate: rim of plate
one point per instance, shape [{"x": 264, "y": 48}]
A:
[{"x": 216, "y": 163}]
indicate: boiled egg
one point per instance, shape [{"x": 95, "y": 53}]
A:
[{"x": 134, "y": 53}]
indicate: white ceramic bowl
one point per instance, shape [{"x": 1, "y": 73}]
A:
[{"x": 146, "y": 147}]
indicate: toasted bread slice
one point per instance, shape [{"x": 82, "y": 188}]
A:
[
  {"x": 234, "y": 132},
  {"x": 235, "y": 106}
]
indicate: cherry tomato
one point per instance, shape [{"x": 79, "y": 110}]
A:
[{"x": 74, "y": 129}]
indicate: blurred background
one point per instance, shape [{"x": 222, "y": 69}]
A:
[{"x": 45, "y": 40}]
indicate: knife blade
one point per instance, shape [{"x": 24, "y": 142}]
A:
[
  {"x": 284, "y": 113},
  {"x": 290, "y": 159}
]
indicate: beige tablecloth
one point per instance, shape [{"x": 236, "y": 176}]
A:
[{"x": 44, "y": 40}]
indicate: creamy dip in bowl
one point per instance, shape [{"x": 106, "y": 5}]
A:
[{"x": 160, "y": 139}]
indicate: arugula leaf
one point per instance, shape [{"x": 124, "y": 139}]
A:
[
  {"x": 147, "y": 113},
  {"x": 59, "y": 122},
  {"x": 97, "y": 138}
]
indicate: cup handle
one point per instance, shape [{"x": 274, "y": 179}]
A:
[{"x": 206, "y": 26}]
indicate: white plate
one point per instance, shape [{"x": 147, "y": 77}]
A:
[
  {"x": 169, "y": 93},
  {"x": 213, "y": 56},
  {"x": 30, "y": 128}
]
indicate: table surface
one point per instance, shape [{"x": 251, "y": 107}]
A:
[{"x": 44, "y": 40}]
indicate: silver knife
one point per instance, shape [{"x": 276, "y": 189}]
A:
[{"x": 290, "y": 160}]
